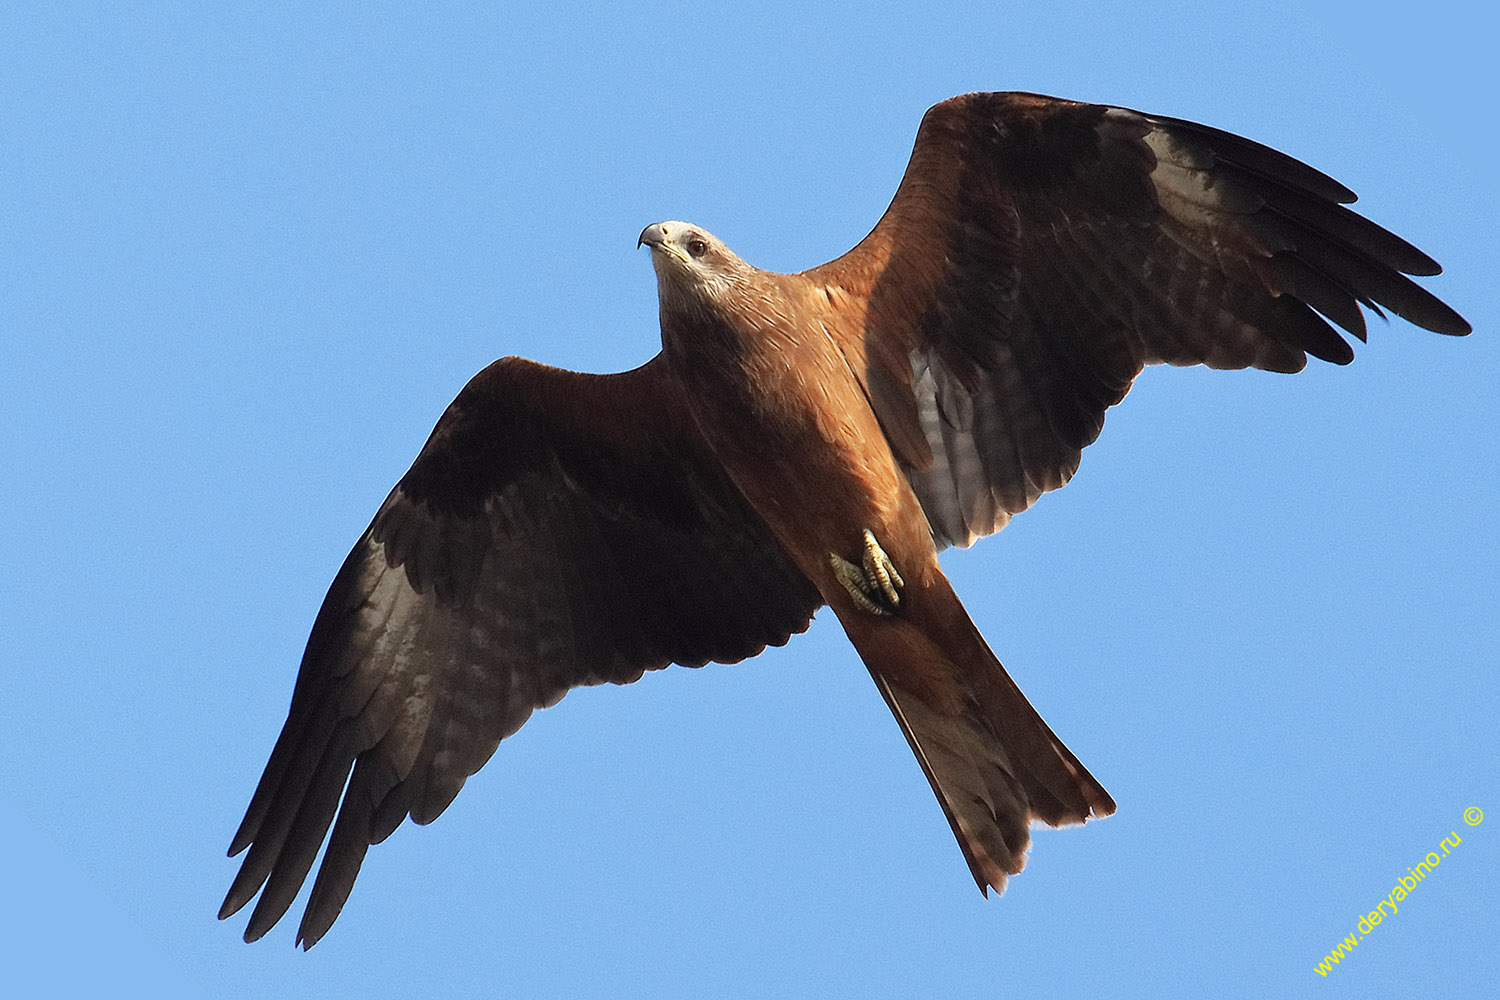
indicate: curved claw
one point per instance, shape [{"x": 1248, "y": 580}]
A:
[
  {"x": 875, "y": 586},
  {"x": 881, "y": 571}
]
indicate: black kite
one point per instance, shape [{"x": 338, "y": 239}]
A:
[{"x": 805, "y": 439}]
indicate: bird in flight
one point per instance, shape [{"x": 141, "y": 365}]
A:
[{"x": 809, "y": 439}]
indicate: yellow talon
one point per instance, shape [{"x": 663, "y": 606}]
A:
[
  {"x": 881, "y": 571},
  {"x": 875, "y": 586}
]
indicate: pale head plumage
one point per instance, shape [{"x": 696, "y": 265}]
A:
[{"x": 692, "y": 264}]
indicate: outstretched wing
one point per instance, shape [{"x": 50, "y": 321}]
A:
[
  {"x": 1040, "y": 252},
  {"x": 557, "y": 529}
]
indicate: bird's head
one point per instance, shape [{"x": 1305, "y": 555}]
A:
[{"x": 691, "y": 263}]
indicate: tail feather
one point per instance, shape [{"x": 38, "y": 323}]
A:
[
  {"x": 992, "y": 761},
  {"x": 985, "y": 805}
]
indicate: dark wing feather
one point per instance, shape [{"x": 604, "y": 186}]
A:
[
  {"x": 1040, "y": 252},
  {"x": 558, "y": 529}
]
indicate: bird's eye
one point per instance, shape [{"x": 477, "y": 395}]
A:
[{"x": 697, "y": 247}]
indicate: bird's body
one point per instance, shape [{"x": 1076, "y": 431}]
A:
[
  {"x": 781, "y": 406},
  {"x": 808, "y": 439}
]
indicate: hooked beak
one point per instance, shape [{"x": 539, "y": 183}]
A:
[{"x": 655, "y": 237}]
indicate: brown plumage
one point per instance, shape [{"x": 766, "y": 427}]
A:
[{"x": 561, "y": 529}]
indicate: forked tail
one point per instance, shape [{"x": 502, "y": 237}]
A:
[{"x": 994, "y": 764}]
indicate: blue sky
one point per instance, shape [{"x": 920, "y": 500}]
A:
[{"x": 246, "y": 258}]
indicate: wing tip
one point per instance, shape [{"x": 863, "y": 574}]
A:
[
  {"x": 1454, "y": 325},
  {"x": 230, "y": 906},
  {"x": 306, "y": 938},
  {"x": 242, "y": 839}
]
